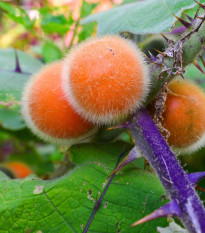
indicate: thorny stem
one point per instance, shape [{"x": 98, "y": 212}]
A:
[
  {"x": 190, "y": 44},
  {"x": 99, "y": 201},
  {"x": 184, "y": 39},
  {"x": 150, "y": 142},
  {"x": 175, "y": 181}
]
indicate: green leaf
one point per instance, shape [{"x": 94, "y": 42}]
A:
[
  {"x": 51, "y": 52},
  {"x": 65, "y": 204},
  {"x": 11, "y": 119},
  {"x": 128, "y": 1},
  {"x": 90, "y": 152},
  {"x": 28, "y": 64},
  {"x": 3, "y": 177},
  {"x": 17, "y": 14},
  {"x": 104, "y": 135},
  {"x": 87, "y": 30},
  {"x": 55, "y": 24},
  {"x": 148, "y": 16},
  {"x": 194, "y": 74},
  {"x": 86, "y": 9},
  {"x": 11, "y": 85}
]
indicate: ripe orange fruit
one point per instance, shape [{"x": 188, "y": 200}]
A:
[
  {"x": 48, "y": 113},
  {"x": 105, "y": 79},
  {"x": 20, "y": 170},
  {"x": 184, "y": 116}
]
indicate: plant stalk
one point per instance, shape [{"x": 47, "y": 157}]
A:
[{"x": 175, "y": 181}]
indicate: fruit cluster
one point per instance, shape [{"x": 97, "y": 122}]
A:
[{"x": 100, "y": 82}]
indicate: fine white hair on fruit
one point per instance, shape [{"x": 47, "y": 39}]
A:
[
  {"x": 193, "y": 147},
  {"x": 43, "y": 133},
  {"x": 184, "y": 114},
  {"x": 108, "y": 114}
]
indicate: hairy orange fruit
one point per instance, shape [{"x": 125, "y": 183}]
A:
[
  {"x": 48, "y": 113},
  {"x": 184, "y": 116},
  {"x": 20, "y": 170},
  {"x": 105, "y": 79}
]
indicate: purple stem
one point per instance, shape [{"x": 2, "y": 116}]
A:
[
  {"x": 176, "y": 182},
  {"x": 98, "y": 202}
]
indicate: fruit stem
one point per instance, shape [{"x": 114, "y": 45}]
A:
[{"x": 175, "y": 181}]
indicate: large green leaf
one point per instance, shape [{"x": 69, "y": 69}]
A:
[
  {"x": 65, "y": 204},
  {"x": 11, "y": 85},
  {"x": 148, "y": 16},
  {"x": 11, "y": 119}
]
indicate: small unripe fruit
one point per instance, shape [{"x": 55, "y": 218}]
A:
[
  {"x": 48, "y": 113},
  {"x": 105, "y": 79},
  {"x": 184, "y": 116},
  {"x": 18, "y": 169}
]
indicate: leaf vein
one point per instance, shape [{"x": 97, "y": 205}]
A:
[{"x": 65, "y": 220}]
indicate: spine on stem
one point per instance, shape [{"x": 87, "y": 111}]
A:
[{"x": 185, "y": 202}]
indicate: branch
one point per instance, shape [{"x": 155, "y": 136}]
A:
[
  {"x": 189, "y": 45},
  {"x": 185, "y": 202},
  {"x": 187, "y": 205}
]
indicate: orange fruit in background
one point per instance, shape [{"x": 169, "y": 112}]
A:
[
  {"x": 184, "y": 116},
  {"x": 20, "y": 170},
  {"x": 48, "y": 113},
  {"x": 105, "y": 79}
]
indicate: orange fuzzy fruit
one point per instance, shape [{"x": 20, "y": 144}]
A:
[
  {"x": 105, "y": 79},
  {"x": 48, "y": 113},
  {"x": 19, "y": 170},
  {"x": 184, "y": 116}
]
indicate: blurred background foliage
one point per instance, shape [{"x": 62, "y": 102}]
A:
[{"x": 46, "y": 30}]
